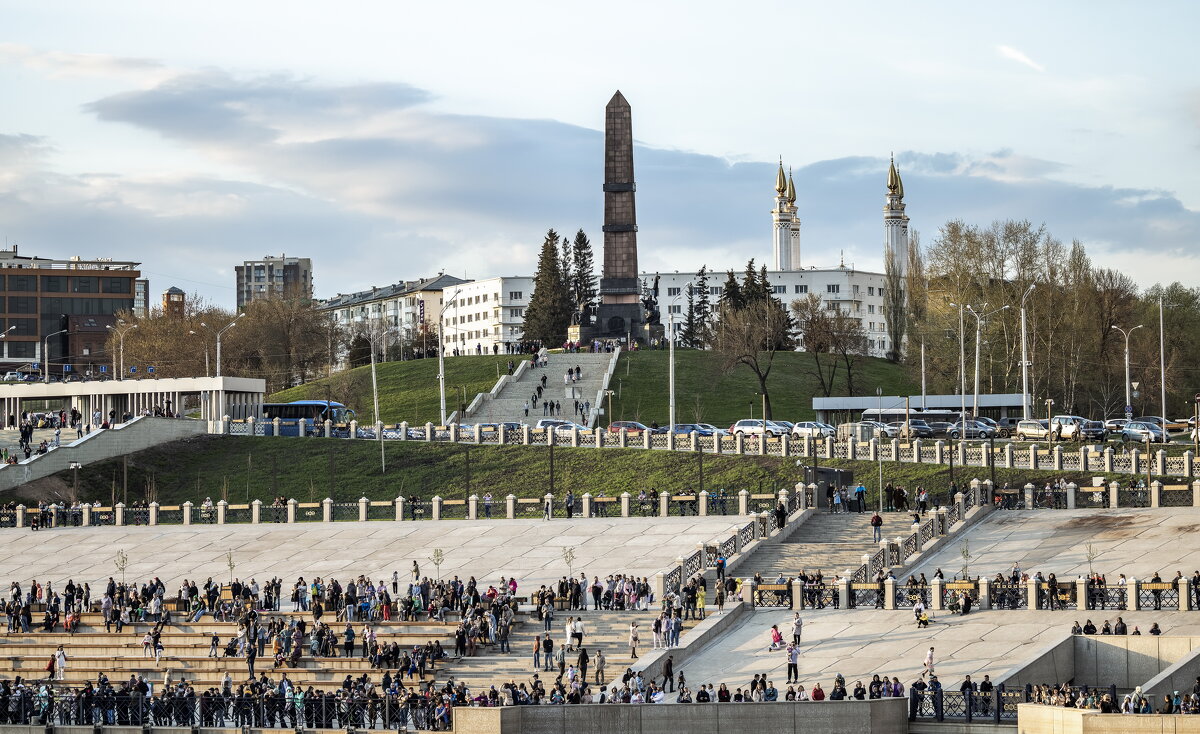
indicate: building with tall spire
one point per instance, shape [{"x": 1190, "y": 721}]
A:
[{"x": 857, "y": 293}]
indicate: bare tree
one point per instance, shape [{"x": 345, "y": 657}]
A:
[{"x": 751, "y": 336}]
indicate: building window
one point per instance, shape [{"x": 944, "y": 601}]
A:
[
  {"x": 118, "y": 285},
  {"x": 515, "y": 295},
  {"x": 871, "y": 327},
  {"x": 672, "y": 292},
  {"x": 516, "y": 313},
  {"x": 870, "y": 290},
  {"x": 24, "y": 283},
  {"x": 802, "y": 289},
  {"x": 485, "y": 298},
  {"x": 871, "y": 343},
  {"x": 22, "y": 304},
  {"x": 85, "y": 284},
  {"x": 870, "y": 308},
  {"x": 781, "y": 289},
  {"x": 675, "y": 308},
  {"x": 24, "y": 327},
  {"x": 715, "y": 290},
  {"x": 855, "y": 290},
  {"x": 54, "y": 284},
  {"x": 22, "y": 350},
  {"x": 833, "y": 288}
]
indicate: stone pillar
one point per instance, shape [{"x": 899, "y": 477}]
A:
[
  {"x": 1188, "y": 461},
  {"x": 895, "y": 450},
  {"x": 1160, "y": 463},
  {"x": 829, "y": 447},
  {"x": 1135, "y": 462},
  {"x": 574, "y": 436},
  {"x": 739, "y": 444},
  {"x": 20, "y": 516},
  {"x": 524, "y": 435},
  {"x": 1008, "y": 456},
  {"x": 985, "y": 596},
  {"x": 916, "y": 447},
  {"x": 1081, "y": 592},
  {"x": 935, "y": 601},
  {"x": 436, "y": 507},
  {"x": 664, "y": 503},
  {"x": 624, "y": 504},
  {"x": 1058, "y": 461},
  {"x": 275, "y": 427},
  {"x": 670, "y": 440},
  {"x": 1196, "y": 493},
  {"x": 1114, "y": 496},
  {"x": 939, "y": 452},
  {"x": 976, "y": 487},
  {"x": 889, "y": 593},
  {"x": 1033, "y": 456},
  {"x": 473, "y": 507},
  {"x": 153, "y": 513},
  {"x": 743, "y": 501},
  {"x": 961, "y": 503},
  {"x": 1032, "y": 592},
  {"x": 942, "y": 526},
  {"x": 222, "y": 510},
  {"x": 600, "y": 433},
  {"x": 87, "y": 514},
  {"x": 1083, "y": 459},
  {"x": 873, "y": 449},
  {"x": 587, "y": 499},
  {"x": 1185, "y": 598},
  {"x": 623, "y": 438},
  {"x": 1072, "y": 489},
  {"x": 327, "y": 510},
  {"x": 1029, "y": 496},
  {"x": 1134, "y": 604},
  {"x": 1155, "y": 493},
  {"x": 646, "y": 442},
  {"x": 363, "y": 504},
  {"x": 329, "y": 430},
  {"x": 783, "y": 499},
  {"x": 250, "y": 426},
  {"x": 187, "y": 512},
  {"x": 717, "y": 439},
  {"x": 478, "y": 430},
  {"x": 1108, "y": 459},
  {"x": 428, "y": 430},
  {"x": 510, "y": 506},
  {"x": 291, "y": 510},
  {"x": 256, "y": 512},
  {"x": 702, "y": 504}
]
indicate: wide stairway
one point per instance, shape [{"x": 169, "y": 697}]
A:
[
  {"x": 508, "y": 406},
  {"x": 829, "y": 543}
]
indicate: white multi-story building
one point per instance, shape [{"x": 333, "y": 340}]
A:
[
  {"x": 409, "y": 309},
  {"x": 858, "y": 293},
  {"x": 487, "y": 316}
]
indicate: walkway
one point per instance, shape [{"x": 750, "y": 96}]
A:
[
  {"x": 830, "y": 543},
  {"x": 508, "y": 406}
]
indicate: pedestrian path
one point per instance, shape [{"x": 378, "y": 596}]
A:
[
  {"x": 829, "y": 543},
  {"x": 509, "y": 404}
]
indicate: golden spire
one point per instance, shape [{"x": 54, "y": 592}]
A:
[
  {"x": 791, "y": 188},
  {"x": 893, "y": 180},
  {"x": 780, "y": 181}
]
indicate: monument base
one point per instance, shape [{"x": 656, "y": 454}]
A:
[{"x": 620, "y": 321}]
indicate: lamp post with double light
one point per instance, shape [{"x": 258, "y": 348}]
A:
[
  {"x": 121, "y": 344},
  {"x": 1128, "y": 396}
]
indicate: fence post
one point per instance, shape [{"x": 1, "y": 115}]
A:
[
  {"x": 1029, "y": 496},
  {"x": 1083, "y": 458},
  {"x": 1188, "y": 461},
  {"x": 510, "y": 506},
  {"x": 702, "y": 504},
  {"x": 1196, "y": 493},
  {"x": 587, "y": 499},
  {"x": 256, "y": 512},
  {"x": 222, "y": 511},
  {"x": 250, "y": 422},
  {"x": 187, "y": 512},
  {"x": 783, "y": 499},
  {"x": 329, "y": 428},
  {"x": 1108, "y": 459},
  {"x": 1160, "y": 461},
  {"x": 428, "y": 431},
  {"x": 1114, "y": 494},
  {"x": 1008, "y": 456},
  {"x": 1135, "y": 604},
  {"x": 291, "y": 509},
  {"x": 664, "y": 501},
  {"x": 829, "y": 447},
  {"x": 739, "y": 443},
  {"x": 354, "y": 429},
  {"x": 1155, "y": 493},
  {"x": 478, "y": 433},
  {"x": 1081, "y": 590},
  {"x": 942, "y": 527},
  {"x": 435, "y": 507},
  {"x": 935, "y": 595},
  {"x": 989, "y": 493},
  {"x": 646, "y": 442},
  {"x": 363, "y": 504},
  {"x": 20, "y": 516},
  {"x": 671, "y": 439},
  {"x": 1033, "y": 456},
  {"x": 1072, "y": 488},
  {"x": 961, "y": 503},
  {"x": 624, "y": 504},
  {"x": 939, "y": 452},
  {"x": 524, "y": 435},
  {"x": 1135, "y": 462},
  {"x": 473, "y": 506},
  {"x": 743, "y": 501},
  {"x": 985, "y": 596},
  {"x": 87, "y": 514},
  {"x": 916, "y": 449},
  {"x": 153, "y": 514},
  {"x": 327, "y": 510},
  {"x": 873, "y": 449},
  {"x": 843, "y": 592},
  {"x": 889, "y": 593},
  {"x": 599, "y": 433},
  {"x": 275, "y": 427},
  {"x": 1185, "y": 598},
  {"x": 717, "y": 438},
  {"x": 1058, "y": 463},
  {"x": 1032, "y": 593}
]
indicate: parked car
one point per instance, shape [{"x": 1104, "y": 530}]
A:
[
  {"x": 1007, "y": 427},
  {"x": 941, "y": 429},
  {"x": 756, "y": 427},
  {"x": 1141, "y": 431},
  {"x": 1076, "y": 428},
  {"x": 971, "y": 429},
  {"x": 909, "y": 429},
  {"x": 715, "y": 431},
  {"x": 813, "y": 429},
  {"x": 786, "y": 424},
  {"x": 686, "y": 429},
  {"x": 557, "y": 423},
  {"x": 1033, "y": 430},
  {"x": 1114, "y": 425},
  {"x": 629, "y": 426}
]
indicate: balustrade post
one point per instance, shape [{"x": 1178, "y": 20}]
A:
[
  {"x": 702, "y": 505},
  {"x": 829, "y": 447},
  {"x": 1135, "y": 462},
  {"x": 895, "y": 450},
  {"x": 1083, "y": 459},
  {"x": 873, "y": 450},
  {"x": 1188, "y": 463},
  {"x": 1008, "y": 456},
  {"x": 783, "y": 500},
  {"x": 1029, "y": 496},
  {"x": 1081, "y": 591},
  {"x": 1160, "y": 461},
  {"x": 473, "y": 507},
  {"x": 624, "y": 504},
  {"x": 575, "y": 436},
  {"x": 291, "y": 510},
  {"x": 327, "y": 510},
  {"x": 153, "y": 514},
  {"x": 1155, "y": 493},
  {"x": 1108, "y": 459},
  {"x": 961, "y": 503},
  {"x": 187, "y": 512},
  {"x": 363, "y": 504},
  {"x": 739, "y": 444},
  {"x": 664, "y": 501},
  {"x": 647, "y": 443},
  {"x": 222, "y": 511},
  {"x": 1114, "y": 494},
  {"x": 524, "y": 435},
  {"x": 1033, "y": 456},
  {"x": 989, "y": 493},
  {"x": 256, "y": 512},
  {"x": 1072, "y": 489},
  {"x": 436, "y": 507},
  {"x": 843, "y": 592},
  {"x": 1185, "y": 598},
  {"x": 1134, "y": 602},
  {"x": 400, "y": 501},
  {"x": 275, "y": 427},
  {"x": 329, "y": 429},
  {"x": 916, "y": 449},
  {"x": 939, "y": 452},
  {"x": 942, "y": 526},
  {"x": 851, "y": 447},
  {"x": 1196, "y": 493},
  {"x": 985, "y": 595},
  {"x": 889, "y": 593},
  {"x": 975, "y": 486},
  {"x": 428, "y": 431},
  {"x": 743, "y": 501},
  {"x": 1031, "y": 592},
  {"x": 1058, "y": 460},
  {"x": 21, "y": 516},
  {"x": 587, "y": 503},
  {"x": 510, "y": 506},
  {"x": 87, "y": 514},
  {"x": 935, "y": 601}
]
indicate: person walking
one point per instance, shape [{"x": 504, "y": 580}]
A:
[
  {"x": 860, "y": 497},
  {"x": 633, "y": 639},
  {"x": 876, "y": 527},
  {"x": 600, "y": 661},
  {"x": 928, "y": 663}
]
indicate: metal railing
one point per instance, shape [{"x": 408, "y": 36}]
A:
[
  {"x": 773, "y": 595},
  {"x": 866, "y": 595},
  {"x": 1158, "y": 595},
  {"x": 1009, "y": 595},
  {"x": 908, "y": 596}
]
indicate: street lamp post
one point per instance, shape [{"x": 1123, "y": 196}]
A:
[
  {"x": 671, "y": 356},
  {"x": 221, "y": 387},
  {"x": 878, "y": 453},
  {"x": 1128, "y": 397},
  {"x": 196, "y": 333},
  {"x": 1162, "y": 363},
  {"x": 962, "y": 360},
  {"x": 979, "y": 319},
  {"x": 442, "y": 355},
  {"x": 1024, "y": 359},
  {"x": 121, "y": 345}
]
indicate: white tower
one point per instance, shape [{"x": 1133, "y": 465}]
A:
[
  {"x": 895, "y": 223},
  {"x": 781, "y": 219},
  {"x": 793, "y": 226}
]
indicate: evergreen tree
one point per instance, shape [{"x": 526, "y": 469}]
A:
[
  {"x": 564, "y": 263},
  {"x": 731, "y": 295},
  {"x": 703, "y": 310},
  {"x": 583, "y": 276},
  {"x": 549, "y": 311},
  {"x": 687, "y": 334}
]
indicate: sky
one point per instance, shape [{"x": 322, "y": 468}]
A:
[{"x": 392, "y": 140}]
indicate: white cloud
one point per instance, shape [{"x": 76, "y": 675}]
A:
[
  {"x": 63, "y": 65},
  {"x": 1013, "y": 54}
]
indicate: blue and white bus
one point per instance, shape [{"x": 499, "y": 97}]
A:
[{"x": 312, "y": 412}]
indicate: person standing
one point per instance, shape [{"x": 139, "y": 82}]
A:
[
  {"x": 583, "y": 661},
  {"x": 928, "y": 663},
  {"x": 860, "y": 497},
  {"x": 797, "y": 628},
  {"x": 876, "y": 527},
  {"x": 633, "y": 639},
  {"x": 793, "y": 662}
]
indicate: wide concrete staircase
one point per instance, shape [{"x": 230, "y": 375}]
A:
[
  {"x": 829, "y": 543},
  {"x": 508, "y": 405},
  {"x": 604, "y": 630}
]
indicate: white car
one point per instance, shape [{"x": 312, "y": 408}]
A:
[
  {"x": 756, "y": 427},
  {"x": 813, "y": 429}
]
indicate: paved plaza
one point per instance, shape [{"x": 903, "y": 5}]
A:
[{"x": 532, "y": 550}]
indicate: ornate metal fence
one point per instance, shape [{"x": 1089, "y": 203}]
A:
[
  {"x": 1062, "y": 596},
  {"x": 345, "y": 511},
  {"x": 908, "y": 596},
  {"x": 773, "y": 595},
  {"x": 1091, "y": 497},
  {"x": 1175, "y": 497},
  {"x": 818, "y": 596},
  {"x": 1008, "y": 595},
  {"x": 866, "y": 595},
  {"x": 951, "y": 590},
  {"x": 309, "y": 512},
  {"x": 1103, "y": 596},
  {"x": 454, "y": 509},
  {"x": 238, "y": 514},
  {"x": 1158, "y": 595}
]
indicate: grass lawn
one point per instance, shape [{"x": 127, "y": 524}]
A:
[
  {"x": 706, "y": 394},
  {"x": 248, "y": 468}
]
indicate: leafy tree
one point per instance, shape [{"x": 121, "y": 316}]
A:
[
  {"x": 751, "y": 336},
  {"x": 549, "y": 311}
]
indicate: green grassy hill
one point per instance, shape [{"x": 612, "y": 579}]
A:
[
  {"x": 703, "y": 392},
  {"x": 262, "y": 468},
  {"x": 706, "y": 394}
]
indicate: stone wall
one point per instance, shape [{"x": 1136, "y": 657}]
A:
[{"x": 1035, "y": 719}]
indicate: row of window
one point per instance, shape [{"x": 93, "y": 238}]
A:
[
  {"x": 65, "y": 284},
  {"x": 777, "y": 289}
]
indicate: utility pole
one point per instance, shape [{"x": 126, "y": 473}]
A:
[{"x": 1024, "y": 359}]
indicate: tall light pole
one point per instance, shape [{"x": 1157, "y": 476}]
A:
[
  {"x": 193, "y": 332},
  {"x": 962, "y": 361},
  {"x": 878, "y": 453},
  {"x": 979, "y": 319},
  {"x": 1128, "y": 398},
  {"x": 1162, "y": 364},
  {"x": 46, "y": 355},
  {"x": 671, "y": 355},
  {"x": 121, "y": 342},
  {"x": 372, "y": 338},
  {"x": 221, "y": 387},
  {"x": 1024, "y": 359},
  {"x": 442, "y": 355}
]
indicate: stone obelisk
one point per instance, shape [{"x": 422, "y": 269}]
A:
[{"x": 620, "y": 312}]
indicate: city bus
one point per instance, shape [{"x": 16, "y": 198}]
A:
[{"x": 312, "y": 412}]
